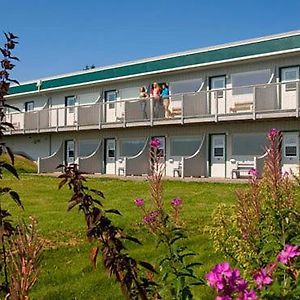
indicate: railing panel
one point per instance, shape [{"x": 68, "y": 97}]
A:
[
  {"x": 17, "y": 120},
  {"x": 195, "y": 105},
  {"x": 137, "y": 110},
  {"x": 31, "y": 120},
  {"x": 44, "y": 122},
  {"x": 266, "y": 98},
  {"x": 89, "y": 115},
  {"x": 113, "y": 112}
]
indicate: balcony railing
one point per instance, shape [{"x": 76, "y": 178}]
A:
[{"x": 247, "y": 102}]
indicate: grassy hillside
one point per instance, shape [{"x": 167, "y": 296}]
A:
[{"x": 22, "y": 164}]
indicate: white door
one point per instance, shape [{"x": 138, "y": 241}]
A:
[
  {"x": 69, "y": 151},
  {"x": 110, "y": 98},
  {"x": 217, "y": 157},
  {"x": 289, "y": 76},
  {"x": 218, "y": 94},
  {"x": 110, "y": 156},
  {"x": 161, "y": 148},
  {"x": 290, "y": 157},
  {"x": 70, "y": 117}
]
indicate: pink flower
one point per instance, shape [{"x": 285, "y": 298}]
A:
[
  {"x": 176, "y": 202},
  {"x": 139, "y": 202},
  {"x": 155, "y": 143},
  {"x": 247, "y": 295},
  {"x": 253, "y": 172},
  {"x": 151, "y": 217},
  {"x": 273, "y": 133},
  {"x": 288, "y": 253},
  {"x": 224, "y": 297},
  {"x": 262, "y": 278}
]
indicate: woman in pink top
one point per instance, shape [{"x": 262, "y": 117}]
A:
[{"x": 155, "y": 94}]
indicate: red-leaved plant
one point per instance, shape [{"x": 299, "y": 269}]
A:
[{"x": 116, "y": 259}]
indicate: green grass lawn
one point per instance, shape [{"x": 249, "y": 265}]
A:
[{"x": 66, "y": 272}]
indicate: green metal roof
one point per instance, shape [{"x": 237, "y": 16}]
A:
[{"x": 183, "y": 60}]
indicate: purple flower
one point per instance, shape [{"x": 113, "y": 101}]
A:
[
  {"x": 226, "y": 280},
  {"x": 273, "y": 132},
  {"x": 262, "y": 278},
  {"x": 139, "y": 202},
  {"x": 176, "y": 202},
  {"x": 247, "y": 295},
  {"x": 155, "y": 143},
  {"x": 288, "y": 253},
  {"x": 151, "y": 217},
  {"x": 253, "y": 172}
]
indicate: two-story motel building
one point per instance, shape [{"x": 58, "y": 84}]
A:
[{"x": 223, "y": 100}]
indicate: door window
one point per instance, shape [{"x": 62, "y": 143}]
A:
[
  {"x": 290, "y": 142},
  {"x": 218, "y": 84},
  {"x": 70, "y": 102},
  {"x": 70, "y": 151},
  {"x": 218, "y": 146},
  {"x": 289, "y": 75},
  {"x": 29, "y": 106},
  {"x": 111, "y": 149},
  {"x": 111, "y": 97}
]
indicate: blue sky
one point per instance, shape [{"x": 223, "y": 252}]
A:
[{"x": 64, "y": 36}]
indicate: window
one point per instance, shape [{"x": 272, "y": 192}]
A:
[
  {"x": 184, "y": 146},
  {"x": 185, "y": 86},
  {"x": 131, "y": 147},
  {"x": 130, "y": 93},
  {"x": 290, "y": 142},
  {"x": 70, "y": 151},
  {"x": 248, "y": 144},
  {"x": 29, "y": 106},
  {"x": 241, "y": 80},
  {"x": 70, "y": 102},
  {"x": 87, "y": 147},
  {"x": 111, "y": 97}
]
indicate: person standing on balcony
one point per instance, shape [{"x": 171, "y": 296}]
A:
[
  {"x": 155, "y": 94},
  {"x": 143, "y": 101},
  {"x": 166, "y": 100}
]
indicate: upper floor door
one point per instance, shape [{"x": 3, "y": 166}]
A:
[
  {"x": 217, "y": 85},
  {"x": 29, "y": 106},
  {"x": 110, "y": 98},
  {"x": 70, "y": 112},
  {"x": 289, "y": 76}
]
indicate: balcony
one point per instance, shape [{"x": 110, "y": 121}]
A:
[{"x": 243, "y": 103}]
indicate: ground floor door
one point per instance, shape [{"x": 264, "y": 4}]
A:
[
  {"x": 161, "y": 149},
  {"x": 289, "y": 78},
  {"x": 290, "y": 152},
  {"x": 110, "y": 156},
  {"x": 69, "y": 151},
  {"x": 217, "y": 155}
]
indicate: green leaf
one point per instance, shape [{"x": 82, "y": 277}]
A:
[
  {"x": 133, "y": 239},
  {"x": 147, "y": 266},
  {"x": 113, "y": 211},
  {"x": 15, "y": 196},
  {"x": 10, "y": 169}
]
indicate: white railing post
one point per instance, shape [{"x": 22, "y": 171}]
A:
[
  {"x": 254, "y": 104},
  {"x": 182, "y": 108},
  {"x": 216, "y": 105},
  {"x": 76, "y": 118},
  {"x": 38, "y": 121},
  {"x": 151, "y": 111},
  {"x": 182, "y": 167},
  {"x": 124, "y": 118},
  {"x": 57, "y": 121},
  {"x": 100, "y": 114},
  {"x": 297, "y": 99}
]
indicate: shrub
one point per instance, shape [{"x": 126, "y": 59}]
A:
[{"x": 263, "y": 221}]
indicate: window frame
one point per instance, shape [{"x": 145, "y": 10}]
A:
[{"x": 26, "y": 104}]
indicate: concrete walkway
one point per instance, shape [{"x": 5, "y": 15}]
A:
[{"x": 144, "y": 178}]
